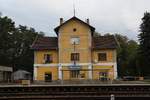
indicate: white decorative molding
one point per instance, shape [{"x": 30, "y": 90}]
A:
[
  {"x": 35, "y": 73},
  {"x": 90, "y": 71},
  {"x": 115, "y": 71},
  {"x": 46, "y": 65},
  {"x": 105, "y": 64},
  {"x": 62, "y": 64},
  {"x": 80, "y": 64},
  {"x": 60, "y": 72}
]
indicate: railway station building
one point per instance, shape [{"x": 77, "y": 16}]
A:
[{"x": 75, "y": 54}]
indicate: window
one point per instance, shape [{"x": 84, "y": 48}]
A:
[
  {"x": 102, "y": 57},
  {"x": 48, "y": 58},
  {"x": 74, "y": 73},
  {"x": 75, "y": 56},
  {"x": 74, "y": 29},
  {"x": 75, "y": 40}
]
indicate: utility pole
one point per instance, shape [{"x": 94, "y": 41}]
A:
[{"x": 74, "y": 49}]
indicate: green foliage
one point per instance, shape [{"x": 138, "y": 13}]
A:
[
  {"x": 127, "y": 56},
  {"x": 96, "y": 34},
  {"x": 15, "y": 44},
  {"x": 6, "y": 29},
  {"x": 144, "y": 39}
]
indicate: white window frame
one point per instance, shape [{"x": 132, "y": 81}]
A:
[{"x": 75, "y": 40}]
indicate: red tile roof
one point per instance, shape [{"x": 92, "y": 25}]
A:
[
  {"x": 45, "y": 43},
  {"x": 51, "y": 43},
  {"x": 104, "y": 42}
]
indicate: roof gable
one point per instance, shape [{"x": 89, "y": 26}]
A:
[{"x": 73, "y": 18}]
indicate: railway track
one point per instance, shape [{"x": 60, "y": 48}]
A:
[{"x": 75, "y": 92}]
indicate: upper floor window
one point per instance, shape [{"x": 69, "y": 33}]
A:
[
  {"x": 75, "y": 56},
  {"x": 75, "y": 40},
  {"x": 48, "y": 58},
  {"x": 102, "y": 57}
]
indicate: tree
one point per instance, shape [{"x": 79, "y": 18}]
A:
[
  {"x": 96, "y": 34},
  {"x": 23, "y": 55},
  {"x": 126, "y": 56},
  {"x": 7, "y": 27},
  {"x": 15, "y": 44},
  {"x": 122, "y": 54},
  {"x": 144, "y": 39},
  {"x": 132, "y": 66}
]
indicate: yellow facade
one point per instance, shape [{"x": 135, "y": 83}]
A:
[
  {"x": 111, "y": 55},
  {"x": 66, "y": 48},
  {"x": 39, "y": 56},
  {"x": 98, "y": 69},
  {"x": 89, "y": 65},
  {"x": 42, "y": 70}
]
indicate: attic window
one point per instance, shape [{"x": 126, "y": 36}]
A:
[
  {"x": 75, "y": 40},
  {"x": 74, "y": 30}
]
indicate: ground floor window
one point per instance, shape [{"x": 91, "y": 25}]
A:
[{"x": 74, "y": 73}]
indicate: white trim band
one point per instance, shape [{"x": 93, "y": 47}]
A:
[
  {"x": 90, "y": 71},
  {"x": 35, "y": 73},
  {"x": 80, "y": 64},
  {"x": 60, "y": 72}
]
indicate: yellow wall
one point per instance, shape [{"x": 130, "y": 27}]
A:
[
  {"x": 85, "y": 71},
  {"x": 39, "y": 56},
  {"x": 66, "y": 73},
  {"x": 66, "y": 54},
  {"x": 66, "y": 48},
  {"x": 111, "y": 55},
  {"x": 98, "y": 69},
  {"x": 42, "y": 70}
]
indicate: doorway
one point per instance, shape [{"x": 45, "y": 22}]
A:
[
  {"x": 48, "y": 77},
  {"x": 103, "y": 76}
]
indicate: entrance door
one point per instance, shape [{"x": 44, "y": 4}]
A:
[
  {"x": 48, "y": 77},
  {"x": 103, "y": 76}
]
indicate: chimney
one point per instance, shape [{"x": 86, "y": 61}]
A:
[
  {"x": 61, "y": 21},
  {"x": 87, "y": 21}
]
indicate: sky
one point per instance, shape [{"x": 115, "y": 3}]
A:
[{"x": 107, "y": 16}]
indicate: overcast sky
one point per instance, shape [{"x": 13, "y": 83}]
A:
[{"x": 107, "y": 16}]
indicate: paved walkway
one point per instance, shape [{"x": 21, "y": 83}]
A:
[{"x": 79, "y": 83}]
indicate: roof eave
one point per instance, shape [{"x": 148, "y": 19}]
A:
[{"x": 35, "y": 49}]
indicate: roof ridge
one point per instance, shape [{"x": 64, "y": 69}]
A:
[
  {"x": 74, "y": 17},
  {"x": 34, "y": 40}
]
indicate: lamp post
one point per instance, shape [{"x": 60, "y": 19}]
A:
[{"x": 112, "y": 97}]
